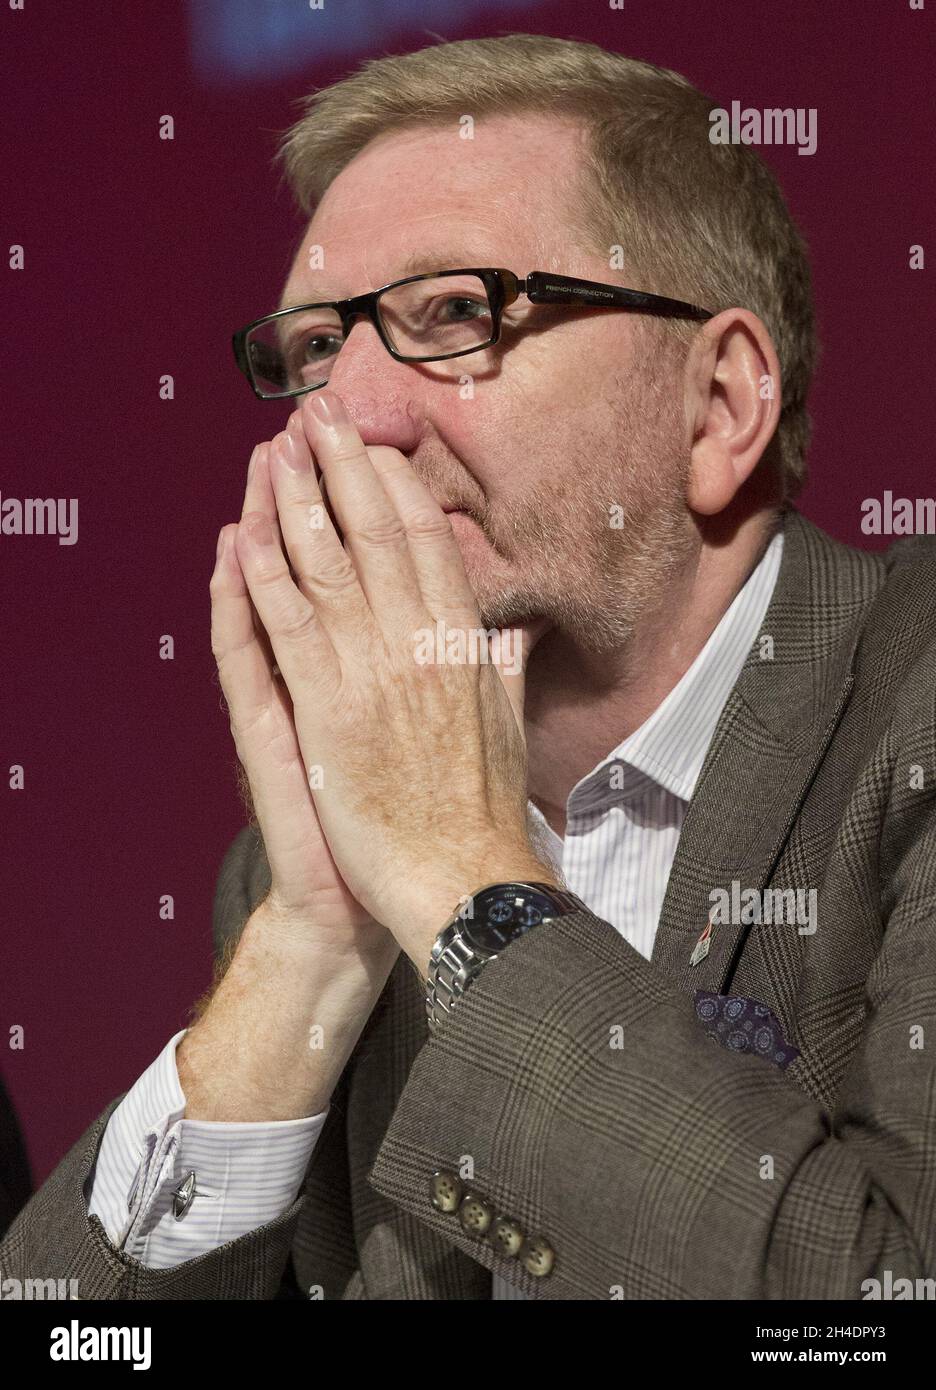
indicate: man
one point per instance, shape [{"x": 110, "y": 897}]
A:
[{"x": 503, "y": 902}]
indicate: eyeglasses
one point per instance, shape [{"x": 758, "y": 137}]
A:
[{"x": 424, "y": 318}]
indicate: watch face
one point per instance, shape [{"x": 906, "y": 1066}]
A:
[{"x": 499, "y": 915}]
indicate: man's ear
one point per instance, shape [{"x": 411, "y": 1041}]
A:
[{"x": 733, "y": 403}]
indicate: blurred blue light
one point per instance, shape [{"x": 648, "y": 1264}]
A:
[{"x": 250, "y": 40}]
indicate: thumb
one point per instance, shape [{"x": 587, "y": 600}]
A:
[{"x": 510, "y": 652}]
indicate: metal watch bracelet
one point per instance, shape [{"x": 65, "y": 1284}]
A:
[{"x": 454, "y": 964}]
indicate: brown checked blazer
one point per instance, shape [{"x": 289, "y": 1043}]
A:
[{"x": 664, "y": 1166}]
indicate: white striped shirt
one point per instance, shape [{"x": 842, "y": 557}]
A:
[{"x": 623, "y": 822}]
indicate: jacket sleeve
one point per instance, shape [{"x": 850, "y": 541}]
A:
[
  {"x": 669, "y": 1167},
  {"x": 54, "y": 1237}
]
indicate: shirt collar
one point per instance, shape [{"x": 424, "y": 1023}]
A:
[{"x": 670, "y": 746}]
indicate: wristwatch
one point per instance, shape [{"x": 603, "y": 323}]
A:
[{"x": 487, "y": 923}]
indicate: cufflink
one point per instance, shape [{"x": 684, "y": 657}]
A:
[{"x": 184, "y": 1195}]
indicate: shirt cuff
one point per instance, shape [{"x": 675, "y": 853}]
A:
[{"x": 246, "y": 1173}]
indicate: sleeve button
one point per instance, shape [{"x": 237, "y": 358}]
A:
[
  {"x": 538, "y": 1255},
  {"x": 507, "y": 1236},
  {"x": 445, "y": 1190},
  {"x": 475, "y": 1214}
]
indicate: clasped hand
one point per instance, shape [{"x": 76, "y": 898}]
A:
[{"x": 412, "y": 789}]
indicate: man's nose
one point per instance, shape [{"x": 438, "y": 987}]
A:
[{"x": 382, "y": 396}]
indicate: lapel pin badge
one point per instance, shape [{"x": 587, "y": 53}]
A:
[{"x": 703, "y": 945}]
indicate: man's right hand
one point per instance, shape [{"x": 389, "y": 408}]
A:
[
  {"x": 311, "y": 963},
  {"x": 305, "y": 885}
]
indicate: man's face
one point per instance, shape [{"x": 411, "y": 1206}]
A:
[{"x": 566, "y": 449}]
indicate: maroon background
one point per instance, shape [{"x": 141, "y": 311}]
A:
[{"x": 141, "y": 257}]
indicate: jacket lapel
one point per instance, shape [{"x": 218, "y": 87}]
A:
[{"x": 767, "y": 747}]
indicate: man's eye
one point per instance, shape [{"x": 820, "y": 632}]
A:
[
  {"x": 461, "y": 309},
  {"x": 319, "y": 346}
]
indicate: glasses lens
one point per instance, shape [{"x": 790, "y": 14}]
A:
[
  {"x": 294, "y": 350},
  {"x": 430, "y": 318}
]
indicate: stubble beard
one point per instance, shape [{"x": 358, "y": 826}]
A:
[{"x": 593, "y": 553}]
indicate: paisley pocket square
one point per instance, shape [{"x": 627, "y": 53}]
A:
[{"x": 744, "y": 1025}]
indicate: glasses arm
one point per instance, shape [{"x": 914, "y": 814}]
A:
[{"x": 545, "y": 288}]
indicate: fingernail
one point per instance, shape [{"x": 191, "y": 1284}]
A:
[
  {"x": 294, "y": 453},
  {"x": 328, "y": 408},
  {"x": 260, "y": 530},
  {"x": 253, "y": 460}
]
